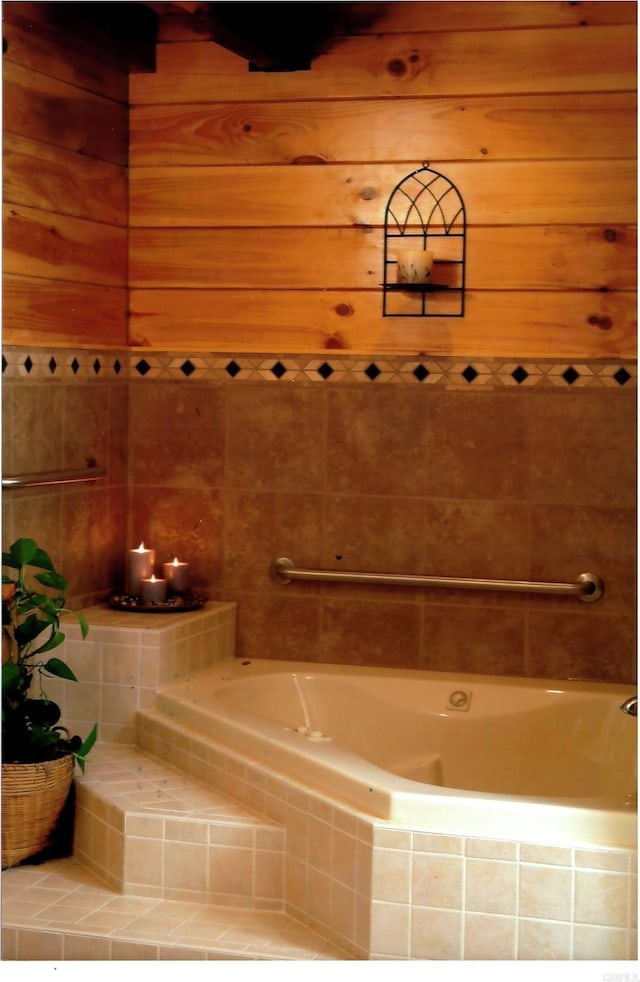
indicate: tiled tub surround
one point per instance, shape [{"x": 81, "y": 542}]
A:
[
  {"x": 373, "y": 889},
  {"x": 426, "y": 465}
]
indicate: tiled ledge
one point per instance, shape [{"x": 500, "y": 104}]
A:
[{"x": 331, "y": 369}]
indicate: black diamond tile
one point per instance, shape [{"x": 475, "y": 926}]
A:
[
  {"x": 143, "y": 367},
  {"x": 570, "y": 375},
  {"x": 28, "y": 364},
  {"x": 75, "y": 366},
  {"x": 520, "y": 374},
  {"x": 325, "y": 370},
  {"x": 53, "y": 364},
  {"x": 469, "y": 373},
  {"x": 233, "y": 368},
  {"x": 97, "y": 366},
  {"x": 372, "y": 371},
  {"x": 421, "y": 373},
  {"x": 187, "y": 368},
  {"x": 278, "y": 369},
  {"x": 622, "y": 376},
  {"x": 5, "y": 364},
  {"x": 117, "y": 367}
]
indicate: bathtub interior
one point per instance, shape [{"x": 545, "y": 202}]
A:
[{"x": 532, "y": 738}]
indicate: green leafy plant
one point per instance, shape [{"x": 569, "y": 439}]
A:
[{"x": 33, "y": 600}]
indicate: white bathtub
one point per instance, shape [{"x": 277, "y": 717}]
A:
[{"x": 530, "y": 760}]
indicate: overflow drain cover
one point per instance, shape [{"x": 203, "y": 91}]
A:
[{"x": 460, "y": 699}]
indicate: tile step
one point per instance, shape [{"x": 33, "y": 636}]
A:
[
  {"x": 58, "y": 911},
  {"x": 148, "y": 829}
]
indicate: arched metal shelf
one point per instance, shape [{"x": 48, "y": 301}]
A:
[{"x": 425, "y": 211}]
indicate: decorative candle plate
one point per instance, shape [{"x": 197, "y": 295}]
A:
[{"x": 174, "y": 605}]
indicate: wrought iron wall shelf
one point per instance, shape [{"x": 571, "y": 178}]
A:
[{"x": 425, "y": 211}]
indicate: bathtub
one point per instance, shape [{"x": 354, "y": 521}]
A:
[{"x": 525, "y": 759}]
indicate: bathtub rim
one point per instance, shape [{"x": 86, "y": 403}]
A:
[{"x": 385, "y": 797}]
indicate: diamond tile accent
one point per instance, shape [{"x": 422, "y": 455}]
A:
[
  {"x": 570, "y": 375},
  {"x": 622, "y": 376},
  {"x": 313, "y": 369}
]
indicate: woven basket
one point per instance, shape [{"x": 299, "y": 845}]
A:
[{"x": 33, "y": 795}]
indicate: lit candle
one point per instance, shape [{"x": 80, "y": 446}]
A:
[
  {"x": 176, "y": 574},
  {"x": 141, "y": 562},
  {"x": 415, "y": 266},
  {"x": 154, "y": 590}
]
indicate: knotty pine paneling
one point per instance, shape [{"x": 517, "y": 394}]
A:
[
  {"x": 257, "y": 200},
  {"x": 38, "y": 243},
  {"x": 571, "y": 257},
  {"x": 573, "y": 59},
  {"x": 41, "y": 311},
  {"x": 519, "y": 324},
  {"x": 525, "y": 127},
  {"x": 33, "y": 42},
  {"x": 51, "y": 111},
  {"x": 65, "y": 131},
  {"x": 498, "y": 193}
]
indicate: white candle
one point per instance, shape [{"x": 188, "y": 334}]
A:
[
  {"x": 176, "y": 574},
  {"x": 154, "y": 590},
  {"x": 414, "y": 266},
  {"x": 141, "y": 562}
]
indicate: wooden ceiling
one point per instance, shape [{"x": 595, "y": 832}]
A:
[{"x": 272, "y": 37}]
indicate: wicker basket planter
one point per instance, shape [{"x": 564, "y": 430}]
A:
[{"x": 33, "y": 795}]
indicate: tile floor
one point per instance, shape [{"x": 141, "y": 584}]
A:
[{"x": 59, "y": 911}]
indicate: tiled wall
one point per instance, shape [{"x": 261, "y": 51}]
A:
[{"x": 435, "y": 466}]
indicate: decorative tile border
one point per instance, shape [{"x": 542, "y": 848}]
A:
[{"x": 84, "y": 365}]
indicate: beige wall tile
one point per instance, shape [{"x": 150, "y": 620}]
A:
[
  {"x": 437, "y": 881},
  {"x": 489, "y": 937},
  {"x": 543, "y": 940},
  {"x": 545, "y": 892},
  {"x": 436, "y": 934},
  {"x": 491, "y": 886}
]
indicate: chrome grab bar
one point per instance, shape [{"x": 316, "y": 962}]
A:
[
  {"x": 588, "y": 587},
  {"x": 90, "y": 473}
]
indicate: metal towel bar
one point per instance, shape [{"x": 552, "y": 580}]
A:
[
  {"x": 91, "y": 473},
  {"x": 588, "y": 587}
]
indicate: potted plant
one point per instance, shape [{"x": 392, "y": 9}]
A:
[{"x": 38, "y": 753}]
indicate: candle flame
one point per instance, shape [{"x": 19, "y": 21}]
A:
[
  {"x": 140, "y": 548},
  {"x": 175, "y": 562},
  {"x": 153, "y": 577}
]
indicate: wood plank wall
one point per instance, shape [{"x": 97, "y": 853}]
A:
[
  {"x": 65, "y": 198},
  {"x": 257, "y": 199}
]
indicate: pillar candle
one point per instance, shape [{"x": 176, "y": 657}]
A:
[
  {"x": 141, "y": 562},
  {"x": 177, "y": 575},
  {"x": 154, "y": 590},
  {"x": 414, "y": 266}
]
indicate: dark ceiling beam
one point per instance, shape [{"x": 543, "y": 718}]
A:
[{"x": 124, "y": 33}]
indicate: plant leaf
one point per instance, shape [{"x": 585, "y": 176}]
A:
[
  {"x": 82, "y": 752},
  {"x": 52, "y": 579},
  {"x": 23, "y": 551},
  {"x": 84, "y": 627},
  {"x": 55, "y": 666}
]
